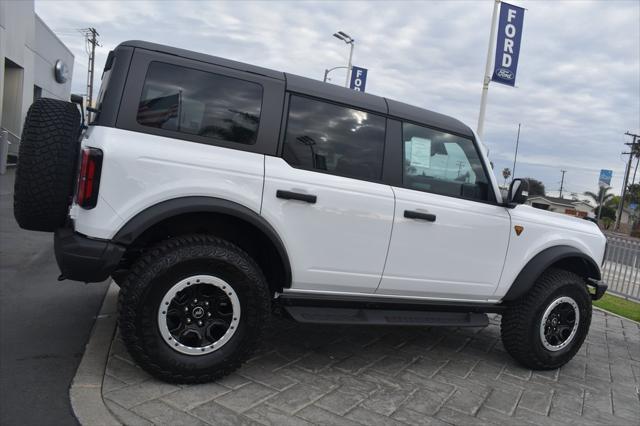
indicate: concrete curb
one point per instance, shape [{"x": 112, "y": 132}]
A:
[{"x": 86, "y": 389}]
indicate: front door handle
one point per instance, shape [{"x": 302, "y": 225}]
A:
[
  {"x": 290, "y": 195},
  {"x": 411, "y": 214}
]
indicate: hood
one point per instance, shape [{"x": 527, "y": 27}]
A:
[{"x": 553, "y": 219}]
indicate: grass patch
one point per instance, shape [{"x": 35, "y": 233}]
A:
[{"x": 618, "y": 305}]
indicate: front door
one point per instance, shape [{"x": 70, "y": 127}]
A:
[
  {"x": 449, "y": 239},
  {"x": 325, "y": 199}
]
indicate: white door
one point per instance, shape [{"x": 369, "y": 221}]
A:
[
  {"x": 449, "y": 240},
  {"x": 335, "y": 224}
]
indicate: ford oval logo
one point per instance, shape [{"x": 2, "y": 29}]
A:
[{"x": 504, "y": 73}]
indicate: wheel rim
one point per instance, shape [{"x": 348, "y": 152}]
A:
[
  {"x": 559, "y": 323},
  {"x": 199, "y": 315}
]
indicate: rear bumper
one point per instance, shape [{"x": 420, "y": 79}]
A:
[
  {"x": 600, "y": 288},
  {"x": 84, "y": 259}
]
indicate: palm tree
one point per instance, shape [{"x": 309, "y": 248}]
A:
[
  {"x": 601, "y": 195},
  {"x": 506, "y": 172}
]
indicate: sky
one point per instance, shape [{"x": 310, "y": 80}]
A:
[{"x": 578, "y": 82}]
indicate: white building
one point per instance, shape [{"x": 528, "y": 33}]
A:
[
  {"x": 577, "y": 208},
  {"x": 29, "y": 54}
]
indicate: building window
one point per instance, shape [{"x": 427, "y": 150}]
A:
[
  {"x": 334, "y": 139},
  {"x": 200, "y": 103}
]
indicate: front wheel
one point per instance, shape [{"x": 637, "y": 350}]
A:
[
  {"x": 193, "y": 309},
  {"x": 546, "y": 327}
]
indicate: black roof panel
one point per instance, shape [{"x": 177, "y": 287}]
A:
[
  {"x": 322, "y": 90},
  {"x": 429, "y": 118},
  {"x": 336, "y": 93},
  {"x": 216, "y": 60}
]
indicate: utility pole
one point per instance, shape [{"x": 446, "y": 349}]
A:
[
  {"x": 91, "y": 38},
  {"x": 562, "y": 182},
  {"x": 626, "y": 177}
]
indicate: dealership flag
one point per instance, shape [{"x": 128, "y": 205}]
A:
[
  {"x": 508, "y": 44},
  {"x": 358, "y": 78}
]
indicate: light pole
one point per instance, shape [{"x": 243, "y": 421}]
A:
[
  {"x": 326, "y": 72},
  {"x": 348, "y": 40}
]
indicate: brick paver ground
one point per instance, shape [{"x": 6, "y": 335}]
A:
[{"x": 347, "y": 375}]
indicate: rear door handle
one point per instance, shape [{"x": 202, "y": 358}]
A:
[
  {"x": 290, "y": 195},
  {"x": 411, "y": 214}
]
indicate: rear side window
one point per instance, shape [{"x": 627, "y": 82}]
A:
[
  {"x": 200, "y": 103},
  {"x": 334, "y": 139},
  {"x": 442, "y": 163}
]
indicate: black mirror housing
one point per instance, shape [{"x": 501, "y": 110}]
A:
[{"x": 518, "y": 192}]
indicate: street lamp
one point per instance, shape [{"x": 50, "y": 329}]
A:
[
  {"x": 348, "y": 40},
  {"x": 327, "y": 71}
]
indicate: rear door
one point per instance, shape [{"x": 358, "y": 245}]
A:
[
  {"x": 449, "y": 238},
  {"x": 325, "y": 198}
]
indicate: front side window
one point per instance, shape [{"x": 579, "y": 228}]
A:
[
  {"x": 200, "y": 103},
  {"x": 442, "y": 163},
  {"x": 334, "y": 139}
]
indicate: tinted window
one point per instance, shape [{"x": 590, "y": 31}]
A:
[
  {"x": 200, "y": 103},
  {"x": 442, "y": 163},
  {"x": 334, "y": 139}
]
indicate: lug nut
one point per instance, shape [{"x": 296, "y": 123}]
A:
[
  {"x": 208, "y": 314},
  {"x": 206, "y": 303},
  {"x": 195, "y": 300},
  {"x": 200, "y": 323},
  {"x": 186, "y": 309},
  {"x": 188, "y": 320}
]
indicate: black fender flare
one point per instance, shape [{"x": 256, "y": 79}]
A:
[
  {"x": 198, "y": 204},
  {"x": 542, "y": 261}
]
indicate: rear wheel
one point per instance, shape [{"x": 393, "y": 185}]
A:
[
  {"x": 546, "y": 327},
  {"x": 193, "y": 309}
]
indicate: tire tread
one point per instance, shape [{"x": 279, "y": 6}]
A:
[
  {"x": 134, "y": 285},
  {"x": 520, "y": 316}
]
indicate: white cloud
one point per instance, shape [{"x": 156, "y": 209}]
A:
[{"x": 578, "y": 77}]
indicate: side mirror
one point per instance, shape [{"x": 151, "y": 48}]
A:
[{"x": 518, "y": 192}]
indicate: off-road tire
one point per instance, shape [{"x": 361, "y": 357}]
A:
[
  {"x": 47, "y": 161},
  {"x": 156, "y": 271},
  {"x": 520, "y": 327}
]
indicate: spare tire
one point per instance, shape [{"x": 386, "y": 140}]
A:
[{"x": 47, "y": 161}]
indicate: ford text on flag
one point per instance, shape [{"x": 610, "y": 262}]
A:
[
  {"x": 508, "y": 45},
  {"x": 358, "y": 78}
]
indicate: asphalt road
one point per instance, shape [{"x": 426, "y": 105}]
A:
[{"x": 44, "y": 324}]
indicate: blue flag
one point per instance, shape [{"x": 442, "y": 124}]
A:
[
  {"x": 508, "y": 44},
  {"x": 358, "y": 78}
]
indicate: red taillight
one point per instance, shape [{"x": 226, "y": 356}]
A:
[{"x": 89, "y": 178}]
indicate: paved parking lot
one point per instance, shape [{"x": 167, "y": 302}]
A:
[{"x": 345, "y": 375}]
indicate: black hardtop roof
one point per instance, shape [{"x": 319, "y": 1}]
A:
[{"x": 320, "y": 89}]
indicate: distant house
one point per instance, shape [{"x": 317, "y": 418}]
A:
[{"x": 576, "y": 208}]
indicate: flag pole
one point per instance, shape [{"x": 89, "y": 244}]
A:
[{"x": 487, "y": 70}]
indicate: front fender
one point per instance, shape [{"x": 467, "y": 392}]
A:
[{"x": 542, "y": 261}]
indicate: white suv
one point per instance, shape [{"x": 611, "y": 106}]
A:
[{"x": 213, "y": 191}]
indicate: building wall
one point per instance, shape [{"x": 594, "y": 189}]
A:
[
  {"x": 28, "y": 43},
  {"x": 48, "y": 50}
]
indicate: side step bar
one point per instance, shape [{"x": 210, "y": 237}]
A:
[{"x": 311, "y": 314}]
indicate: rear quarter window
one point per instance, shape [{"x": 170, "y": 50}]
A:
[{"x": 195, "y": 102}]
